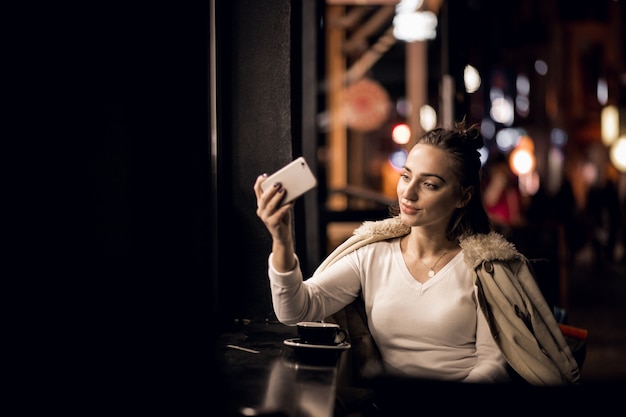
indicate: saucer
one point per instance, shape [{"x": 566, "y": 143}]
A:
[
  {"x": 318, "y": 355},
  {"x": 295, "y": 343}
]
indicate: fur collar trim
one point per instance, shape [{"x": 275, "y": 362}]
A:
[
  {"x": 476, "y": 248},
  {"x": 488, "y": 247},
  {"x": 387, "y": 227}
]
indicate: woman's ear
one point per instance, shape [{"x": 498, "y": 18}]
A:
[{"x": 466, "y": 197}]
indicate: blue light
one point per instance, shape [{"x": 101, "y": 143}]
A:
[
  {"x": 398, "y": 158},
  {"x": 558, "y": 137}
]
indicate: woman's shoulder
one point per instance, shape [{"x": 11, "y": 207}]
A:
[
  {"x": 368, "y": 233},
  {"x": 386, "y": 245}
]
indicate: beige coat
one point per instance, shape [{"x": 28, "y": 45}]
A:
[{"x": 521, "y": 322}]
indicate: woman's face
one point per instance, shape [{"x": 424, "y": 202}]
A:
[{"x": 428, "y": 191}]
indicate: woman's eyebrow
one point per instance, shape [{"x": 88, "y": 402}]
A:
[{"x": 425, "y": 174}]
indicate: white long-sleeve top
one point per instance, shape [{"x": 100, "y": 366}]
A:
[{"x": 433, "y": 330}]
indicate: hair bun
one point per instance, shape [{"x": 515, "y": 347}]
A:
[{"x": 471, "y": 135}]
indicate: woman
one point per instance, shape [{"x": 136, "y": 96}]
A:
[{"x": 445, "y": 297}]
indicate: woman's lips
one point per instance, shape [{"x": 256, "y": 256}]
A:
[{"x": 408, "y": 209}]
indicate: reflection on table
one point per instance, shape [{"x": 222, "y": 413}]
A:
[
  {"x": 300, "y": 390},
  {"x": 262, "y": 376}
]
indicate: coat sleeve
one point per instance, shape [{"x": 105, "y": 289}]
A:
[{"x": 523, "y": 325}]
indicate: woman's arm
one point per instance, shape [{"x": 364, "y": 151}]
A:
[{"x": 316, "y": 298}]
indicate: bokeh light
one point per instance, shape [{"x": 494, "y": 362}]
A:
[
  {"x": 487, "y": 128},
  {"x": 403, "y": 107},
  {"x": 529, "y": 183},
  {"x": 522, "y": 85},
  {"x": 411, "y": 25},
  {"x": 471, "y": 78},
  {"x": 398, "y": 158},
  {"x": 602, "y": 91},
  {"x": 506, "y": 139},
  {"x": 609, "y": 125},
  {"x": 617, "y": 153},
  {"x": 522, "y": 159},
  {"x": 558, "y": 137},
  {"x": 401, "y": 133},
  {"x": 501, "y": 110},
  {"x": 428, "y": 117},
  {"x": 484, "y": 155},
  {"x": 541, "y": 67},
  {"x": 522, "y": 105}
]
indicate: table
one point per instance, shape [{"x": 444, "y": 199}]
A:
[
  {"x": 261, "y": 376},
  {"x": 258, "y": 375}
]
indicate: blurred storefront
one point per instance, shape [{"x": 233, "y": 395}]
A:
[
  {"x": 547, "y": 70},
  {"x": 537, "y": 76}
]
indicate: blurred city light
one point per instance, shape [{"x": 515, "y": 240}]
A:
[
  {"x": 403, "y": 107},
  {"x": 522, "y": 85},
  {"x": 484, "y": 155},
  {"x": 618, "y": 154},
  {"x": 541, "y": 67},
  {"x": 522, "y": 103},
  {"x": 428, "y": 117},
  {"x": 487, "y": 128},
  {"x": 471, "y": 78},
  {"x": 602, "y": 91},
  {"x": 410, "y": 25},
  {"x": 501, "y": 107},
  {"x": 522, "y": 159},
  {"x": 609, "y": 124},
  {"x": 408, "y": 6},
  {"x": 401, "y": 133},
  {"x": 529, "y": 183},
  {"x": 398, "y": 158},
  {"x": 506, "y": 139},
  {"x": 415, "y": 26},
  {"x": 556, "y": 161},
  {"x": 558, "y": 137}
]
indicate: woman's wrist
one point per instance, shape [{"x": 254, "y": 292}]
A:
[{"x": 284, "y": 262}]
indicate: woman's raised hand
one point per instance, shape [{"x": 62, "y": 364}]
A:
[{"x": 276, "y": 218}]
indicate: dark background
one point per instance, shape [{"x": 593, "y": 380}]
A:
[
  {"x": 134, "y": 244},
  {"x": 109, "y": 243}
]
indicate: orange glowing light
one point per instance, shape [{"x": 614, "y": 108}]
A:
[{"x": 522, "y": 160}]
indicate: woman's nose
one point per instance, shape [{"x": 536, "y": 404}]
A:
[{"x": 409, "y": 193}]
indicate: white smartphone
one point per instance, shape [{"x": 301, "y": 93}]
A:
[{"x": 295, "y": 177}]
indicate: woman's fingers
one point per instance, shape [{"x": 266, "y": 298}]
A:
[
  {"x": 257, "y": 185},
  {"x": 276, "y": 217},
  {"x": 261, "y": 196},
  {"x": 272, "y": 198},
  {"x": 268, "y": 201}
]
